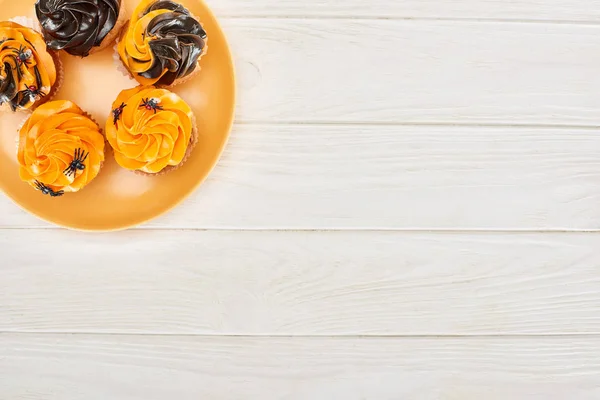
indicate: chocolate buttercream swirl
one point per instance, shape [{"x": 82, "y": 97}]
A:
[
  {"x": 163, "y": 42},
  {"x": 76, "y": 26}
]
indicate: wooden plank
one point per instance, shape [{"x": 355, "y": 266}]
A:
[
  {"x": 416, "y": 71},
  {"x": 400, "y": 178},
  {"x": 299, "y": 283},
  {"x": 393, "y": 178},
  {"x": 42, "y": 367},
  {"x": 531, "y": 10}
]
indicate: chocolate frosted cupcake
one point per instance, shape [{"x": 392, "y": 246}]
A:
[
  {"x": 162, "y": 44},
  {"x": 151, "y": 130},
  {"x": 29, "y": 73},
  {"x": 80, "y": 27},
  {"x": 61, "y": 149}
]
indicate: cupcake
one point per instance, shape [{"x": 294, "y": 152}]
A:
[
  {"x": 151, "y": 130},
  {"x": 80, "y": 27},
  {"x": 61, "y": 149},
  {"x": 162, "y": 44},
  {"x": 28, "y": 71}
]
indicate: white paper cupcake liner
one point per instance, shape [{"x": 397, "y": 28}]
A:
[{"x": 27, "y": 22}]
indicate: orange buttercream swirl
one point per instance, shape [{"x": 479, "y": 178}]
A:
[
  {"x": 149, "y": 129},
  {"x": 27, "y": 70},
  {"x": 60, "y": 148}
]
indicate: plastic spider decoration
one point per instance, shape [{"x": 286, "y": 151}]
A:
[
  {"x": 151, "y": 104},
  {"x": 47, "y": 190},
  {"x": 23, "y": 55},
  {"x": 117, "y": 114},
  {"x": 77, "y": 164},
  {"x": 32, "y": 92}
]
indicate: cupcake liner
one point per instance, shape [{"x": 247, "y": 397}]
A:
[
  {"x": 60, "y": 79},
  {"x": 18, "y": 138},
  {"x": 117, "y": 57},
  {"x": 86, "y": 114},
  {"x": 27, "y": 22},
  {"x": 115, "y": 32},
  {"x": 60, "y": 73}
]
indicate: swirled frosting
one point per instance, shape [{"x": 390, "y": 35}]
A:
[
  {"x": 27, "y": 70},
  {"x": 149, "y": 129},
  {"x": 76, "y": 26},
  {"x": 60, "y": 148},
  {"x": 162, "y": 43}
]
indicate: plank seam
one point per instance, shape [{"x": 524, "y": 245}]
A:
[
  {"x": 315, "y": 336},
  {"x": 416, "y": 124},
  {"x": 407, "y": 18},
  {"x": 333, "y": 230}
]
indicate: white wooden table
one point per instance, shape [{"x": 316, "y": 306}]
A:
[{"x": 409, "y": 208}]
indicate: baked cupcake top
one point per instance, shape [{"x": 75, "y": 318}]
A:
[
  {"x": 27, "y": 70},
  {"x": 60, "y": 149},
  {"x": 162, "y": 43},
  {"x": 149, "y": 129},
  {"x": 76, "y": 26}
]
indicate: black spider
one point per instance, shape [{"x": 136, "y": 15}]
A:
[
  {"x": 23, "y": 54},
  {"x": 47, "y": 190},
  {"x": 151, "y": 104},
  {"x": 117, "y": 114},
  {"x": 77, "y": 164},
  {"x": 33, "y": 92}
]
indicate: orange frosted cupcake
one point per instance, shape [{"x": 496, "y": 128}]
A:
[
  {"x": 28, "y": 72},
  {"x": 151, "y": 130},
  {"x": 61, "y": 149},
  {"x": 163, "y": 43}
]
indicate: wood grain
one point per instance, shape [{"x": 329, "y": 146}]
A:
[
  {"x": 65, "y": 367},
  {"x": 325, "y": 177},
  {"x": 529, "y": 10},
  {"x": 370, "y": 121},
  {"x": 388, "y": 71},
  {"x": 299, "y": 283}
]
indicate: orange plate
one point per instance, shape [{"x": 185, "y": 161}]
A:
[{"x": 117, "y": 198}]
